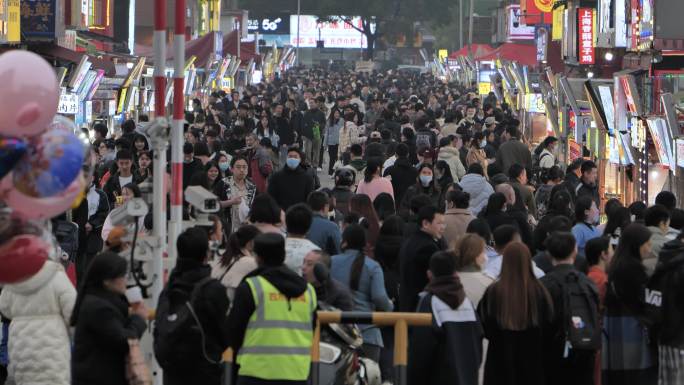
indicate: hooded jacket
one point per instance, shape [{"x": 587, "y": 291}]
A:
[
  {"x": 289, "y": 187},
  {"x": 452, "y": 156},
  {"x": 402, "y": 175},
  {"x": 39, "y": 342},
  {"x": 211, "y": 307},
  {"x": 449, "y": 351},
  {"x": 285, "y": 280},
  {"x": 479, "y": 189}
]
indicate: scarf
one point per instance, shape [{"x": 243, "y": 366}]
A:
[{"x": 447, "y": 288}]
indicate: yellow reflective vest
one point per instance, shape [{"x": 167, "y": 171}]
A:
[{"x": 279, "y": 335}]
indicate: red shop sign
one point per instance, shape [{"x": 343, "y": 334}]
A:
[{"x": 585, "y": 29}]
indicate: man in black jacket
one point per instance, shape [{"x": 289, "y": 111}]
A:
[
  {"x": 124, "y": 162},
  {"x": 402, "y": 174},
  {"x": 567, "y": 365},
  {"x": 90, "y": 216},
  {"x": 414, "y": 256},
  {"x": 588, "y": 186},
  {"x": 571, "y": 180},
  {"x": 211, "y": 307},
  {"x": 292, "y": 184},
  {"x": 314, "y": 119}
]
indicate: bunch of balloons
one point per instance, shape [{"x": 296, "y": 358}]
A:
[{"x": 41, "y": 155}]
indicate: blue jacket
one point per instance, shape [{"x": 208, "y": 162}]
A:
[
  {"x": 371, "y": 295},
  {"x": 583, "y": 232},
  {"x": 325, "y": 234},
  {"x": 332, "y": 133}
]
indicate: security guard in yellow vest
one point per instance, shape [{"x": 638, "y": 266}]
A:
[{"x": 271, "y": 320}]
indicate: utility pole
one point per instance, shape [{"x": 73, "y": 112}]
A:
[
  {"x": 460, "y": 24},
  {"x": 470, "y": 29},
  {"x": 299, "y": 19}
]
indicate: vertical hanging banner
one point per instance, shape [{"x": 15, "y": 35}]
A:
[
  {"x": 13, "y": 21},
  {"x": 585, "y": 30},
  {"x": 557, "y": 27}
]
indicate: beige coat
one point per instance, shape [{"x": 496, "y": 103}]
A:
[
  {"x": 477, "y": 155},
  {"x": 456, "y": 221}
]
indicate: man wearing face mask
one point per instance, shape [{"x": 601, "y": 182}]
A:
[
  {"x": 466, "y": 124},
  {"x": 292, "y": 184}
]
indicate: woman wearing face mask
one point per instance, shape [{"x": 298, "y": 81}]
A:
[
  {"x": 443, "y": 179},
  {"x": 470, "y": 260},
  {"x": 223, "y": 161},
  {"x": 144, "y": 170},
  {"x": 476, "y": 153},
  {"x": 425, "y": 184},
  {"x": 586, "y": 219}
]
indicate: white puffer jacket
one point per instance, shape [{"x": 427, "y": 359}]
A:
[
  {"x": 39, "y": 343},
  {"x": 479, "y": 189}
]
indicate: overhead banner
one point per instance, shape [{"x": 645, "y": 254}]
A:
[
  {"x": 516, "y": 28},
  {"x": 536, "y": 11},
  {"x": 585, "y": 29}
]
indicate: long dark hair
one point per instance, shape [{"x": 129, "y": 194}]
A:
[
  {"x": 618, "y": 218},
  {"x": 354, "y": 238},
  {"x": 106, "y": 265},
  {"x": 372, "y": 166},
  {"x": 236, "y": 242},
  {"x": 626, "y": 271},
  {"x": 495, "y": 204},
  {"x": 517, "y": 292},
  {"x": 362, "y": 205}
]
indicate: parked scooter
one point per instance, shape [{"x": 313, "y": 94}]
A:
[{"x": 341, "y": 356}]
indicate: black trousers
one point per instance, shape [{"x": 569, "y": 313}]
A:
[{"x": 332, "y": 154}]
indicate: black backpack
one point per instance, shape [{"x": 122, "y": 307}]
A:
[
  {"x": 581, "y": 325},
  {"x": 177, "y": 326},
  {"x": 538, "y": 173},
  {"x": 653, "y": 293}
]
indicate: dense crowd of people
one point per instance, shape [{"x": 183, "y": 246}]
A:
[{"x": 438, "y": 204}]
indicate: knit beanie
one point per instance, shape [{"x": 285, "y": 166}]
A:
[{"x": 21, "y": 258}]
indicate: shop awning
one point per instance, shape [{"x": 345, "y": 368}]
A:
[
  {"x": 61, "y": 53},
  {"x": 524, "y": 54},
  {"x": 203, "y": 49},
  {"x": 477, "y": 49},
  {"x": 247, "y": 50}
]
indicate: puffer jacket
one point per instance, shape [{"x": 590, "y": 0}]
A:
[
  {"x": 452, "y": 156},
  {"x": 479, "y": 189},
  {"x": 39, "y": 342}
]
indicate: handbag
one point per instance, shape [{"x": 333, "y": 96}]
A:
[{"x": 137, "y": 372}]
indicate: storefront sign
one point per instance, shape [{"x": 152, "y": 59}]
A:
[
  {"x": 88, "y": 111},
  {"x": 632, "y": 97},
  {"x": 336, "y": 34},
  {"x": 38, "y": 19},
  {"x": 536, "y": 11},
  {"x": 680, "y": 151},
  {"x": 606, "y": 96},
  {"x": 535, "y": 103},
  {"x": 585, "y": 29},
  {"x": 270, "y": 25},
  {"x": 10, "y": 32},
  {"x": 68, "y": 104},
  {"x": 542, "y": 42},
  {"x": 484, "y": 88},
  {"x": 574, "y": 150},
  {"x": 658, "y": 129},
  {"x": 620, "y": 23},
  {"x": 557, "y": 28},
  {"x": 517, "y": 30}
]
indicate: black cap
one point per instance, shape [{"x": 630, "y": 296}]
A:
[{"x": 270, "y": 247}]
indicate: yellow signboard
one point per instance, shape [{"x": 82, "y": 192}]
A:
[
  {"x": 13, "y": 23},
  {"x": 442, "y": 54},
  {"x": 557, "y": 28},
  {"x": 485, "y": 88}
]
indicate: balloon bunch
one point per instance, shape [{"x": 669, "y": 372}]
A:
[{"x": 41, "y": 155}]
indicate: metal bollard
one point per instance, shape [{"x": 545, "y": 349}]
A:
[
  {"x": 400, "y": 322},
  {"x": 316, "y": 355}
]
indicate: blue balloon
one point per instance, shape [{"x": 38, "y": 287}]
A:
[{"x": 51, "y": 164}]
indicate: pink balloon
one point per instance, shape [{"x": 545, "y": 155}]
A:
[
  {"x": 29, "y": 94},
  {"x": 40, "y": 208}
]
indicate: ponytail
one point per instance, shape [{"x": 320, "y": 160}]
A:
[{"x": 356, "y": 269}]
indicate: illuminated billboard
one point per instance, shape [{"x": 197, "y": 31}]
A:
[{"x": 337, "y": 34}]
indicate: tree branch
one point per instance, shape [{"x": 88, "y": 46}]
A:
[{"x": 348, "y": 21}]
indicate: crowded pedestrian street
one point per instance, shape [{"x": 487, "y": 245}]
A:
[{"x": 265, "y": 192}]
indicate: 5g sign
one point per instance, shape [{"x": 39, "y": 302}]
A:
[
  {"x": 271, "y": 25},
  {"x": 268, "y": 25}
]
